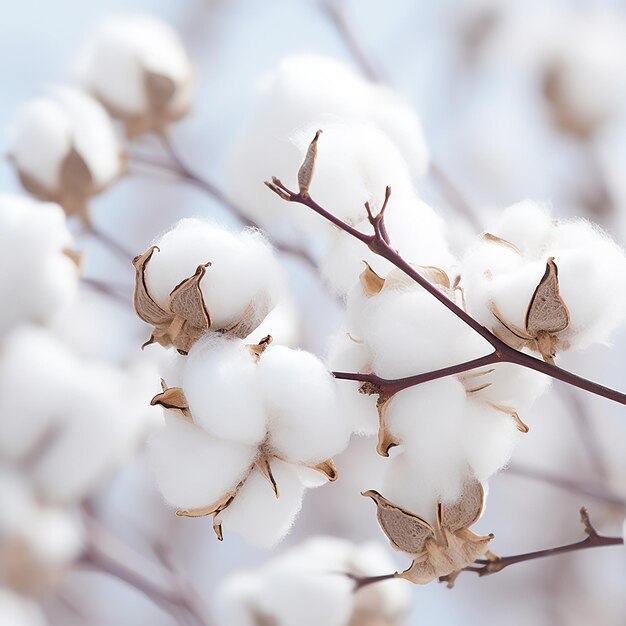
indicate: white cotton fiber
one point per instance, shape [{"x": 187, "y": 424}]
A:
[
  {"x": 36, "y": 278},
  {"x": 242, "y": 280},
  {"x": 257, "y": 514},
  {"x": 193, "y": 469},
  {"x": 301, "y": 402},
  {"x": 224, "y": 392}
]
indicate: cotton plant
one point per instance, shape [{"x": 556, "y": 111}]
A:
[
  {"x": 38, "y": 264},
  {"x": 138, "y": 67},
  {"x": 307, "y": 586},
  {"x": 65, "y": 150},
  {"x": 303, "y": 90}
]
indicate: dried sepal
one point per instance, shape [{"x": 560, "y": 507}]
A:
[
  {"x": 327, "y": 468},
  {"x": 74, "y": 256},
  {"x": 386, "y": 441},
  {"x": 371, "y": 282},
  {"x": 502, "y": 242},
  {"x": 305, "y": 173},
  {"x": 263, "y": 465},
  {"x": 441, "y": 551},
  {"x": 257, "y": 349},
  {"x": 435, "y": 275},
  {"x": 546, "y": 317},
  {"x": 172, "y": 399},
  {"x": 187, "y": 317},
  {"x": 406, "y": 531},
  {"x": 521, "y": 426}
]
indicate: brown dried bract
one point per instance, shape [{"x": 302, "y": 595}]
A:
[
  {"x": 186, "y": 319},
  {"x": 438, "y": 551},
  {"x": 502, "y": 242},
  {"x": 546, "y": 317},
  {"x": 173, "y": 399},
  {"x": 305, "y": 173}
]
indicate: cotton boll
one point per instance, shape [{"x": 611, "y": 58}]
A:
[
  {"x": 526, "y": 225},
  {"x": 54, "y": 536},
  {"x": 224, "y": 392},
  {"x": 65, "y": 149},
  {"x": 16, "y": 610},
  {"x": 410, "y": 332},
  {"x": 242, "y": 280},
  {"x": 32, "y": 360},
  {"x": 257, "y": 514},
  {"x": 282, "y": 323},
  {"x": 427, "y": 420},
  {"x": 301, "y": 400},
  {"x": 359, "y": 409},
  {"x": 327, "y": 598},
  {"x": 138, "y": 67},
  {"x": 236, "y": 598},
  {"x": 489, "y": 438},
  {"x": 37, "y": 278},
  {"x": 193, "y": 469}
]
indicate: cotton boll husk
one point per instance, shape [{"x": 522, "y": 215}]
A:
[
  {"x": 489, "y": 437},
  {"x": 16, "y": 610},
  {"x": 48, "y": 128},
  {"x": 359, "y": 409},
  {"x": 301, "y": 400},
  {"x": 193, "y": 469},
  {"x": 243, "y": 270},
  {"x": 306, "y": 598},
  {"x": 222, "y": 386},
  {"x": 35, "y": 374},
  {"x": 121, "y": 50},
  {"x": 427, "y": 420},
  {"x": 36, "y": 277},
  {"x": 409, "y": 332},
  {"x": 257, "y": 514}
]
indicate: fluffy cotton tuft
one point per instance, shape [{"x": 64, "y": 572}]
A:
[
  {"x": 241, "y": 284},
  {"x": 37, "y": 277},
  {"x": 138, "y": 67},
  {"x": 305, "y": 90},
  {"x": 258, "y": 426},
  {"x": 590, "y": 269},
  {"x": 65, "y": 149},
  {"x": 308, "y": 586}
]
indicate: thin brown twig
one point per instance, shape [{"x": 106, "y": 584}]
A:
[
  {"x": 109, "y": 243},
  {"x": 178, "y": 167},
  {"x": 503, "y": 353},
  {"x": 105, "y": 289}
]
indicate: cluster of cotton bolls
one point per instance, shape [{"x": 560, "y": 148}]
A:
[
  {"x": 65, "y": 148},
  {"x": 371, "y": 139},
  {"x": 249, "y": 425},
  {"x": 307, "y": 587},
  {"x": 66, "y": 425}
]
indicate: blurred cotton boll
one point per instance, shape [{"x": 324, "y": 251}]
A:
[
  {"x": 17, "y": 610},
  {"x": 137, "y": 66},
  {"x": 38, "y": 274},
  {"x": 308, "y": 586},
  {"x": 307, "y": 90},
  {"x": 65, "y": 149}
]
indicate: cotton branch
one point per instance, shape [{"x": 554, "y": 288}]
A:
[
  {"x": 593, "y": 540},
  {"x": 177, "y": 166},
  {"x": 503, "y": 353}
]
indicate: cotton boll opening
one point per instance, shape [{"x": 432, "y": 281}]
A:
[
  {"x": 301, "y": 401},
  {"x": 222, "y": 386},
  {"x": 193, "y": 469},
  {"x": 243, "y": 271},
  {"x": 257, "y": 514}
]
